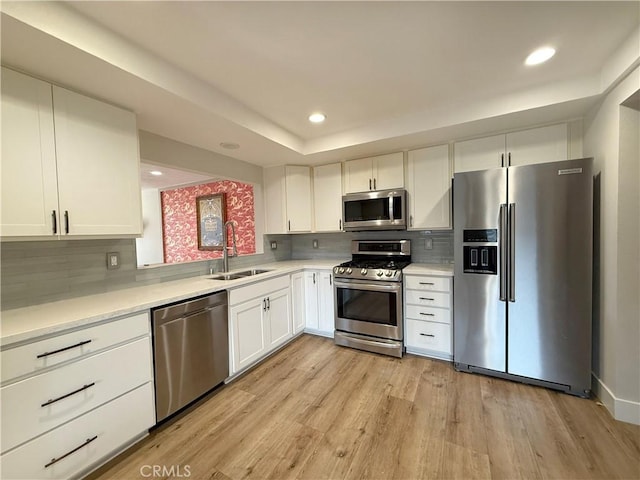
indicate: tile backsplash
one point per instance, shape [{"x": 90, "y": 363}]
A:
[{"x": 40, "y": 272}]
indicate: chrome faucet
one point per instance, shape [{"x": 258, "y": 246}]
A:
[{"x": 225, "y": 246}]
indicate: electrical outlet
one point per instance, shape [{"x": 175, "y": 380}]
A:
[
  {"x": 315, "y": 243},
  {"x": 113, "y": 260},
  {"x": 428, "y": 243},
  {"x": 274, "y": 245}
]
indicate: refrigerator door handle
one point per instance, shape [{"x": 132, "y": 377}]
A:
[
  {"x": 503, "y": 252},
  {"x": 512, "y": 252}
]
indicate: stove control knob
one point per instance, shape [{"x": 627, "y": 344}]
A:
[
  {"x": 395, "y": 273},
  {"x": 388, "y": 273},
  {"x": 379, "y": 273},
  {"x": 335, "y": 269},
  {"x": 364, "y": 271},
  {"x": 341, "y": 270},
  {"x": 349, "y": 271}
]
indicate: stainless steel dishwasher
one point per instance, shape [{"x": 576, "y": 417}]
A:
[{"x": 190, "y": 350}]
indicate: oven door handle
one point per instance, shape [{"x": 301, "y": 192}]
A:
[{"x": 357, "y": 285}]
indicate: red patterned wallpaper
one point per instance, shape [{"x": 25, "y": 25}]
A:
[{"x": 179, "y": 228}]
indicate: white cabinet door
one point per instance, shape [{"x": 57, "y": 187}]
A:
[
  {"x": 358, "y": 176},
  {"x": 311, "y": 279},
  {"x": 538, "y": 145},
  {"x": 388, "y": 171},
  {"x": 29, "y": 184},
  {"x": 479, "y": 154},
  {"x": 274, "y": 200},
  {"x": 297, "y": 302},
  {"x": 327, "y": 198},
  {"x": 248, "y": 322},
  {"x": 326, "y": 303},
  {"x": 298, "y": 198},
  {"x": 279, "y": 318},
  {"x": 374, "y": 173},
  {"x": 98, "y": 166},
  {"x": 429, "y": 188}
]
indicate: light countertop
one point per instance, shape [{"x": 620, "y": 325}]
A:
[
  {"x": 429, "y": 269},
  {"x": 24, "y": 324}
]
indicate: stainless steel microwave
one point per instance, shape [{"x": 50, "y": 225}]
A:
[{"x": 379, "y": 210}]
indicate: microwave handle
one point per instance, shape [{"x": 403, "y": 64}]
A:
[{"x": 391, "y": 212}]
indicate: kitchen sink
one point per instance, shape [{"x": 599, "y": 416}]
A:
[{"x": 238, "y": 275}]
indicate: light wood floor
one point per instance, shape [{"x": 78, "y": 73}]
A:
[{"x": 318, "y": 411}]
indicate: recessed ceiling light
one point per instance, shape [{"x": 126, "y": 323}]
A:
[
  {"x": 540, "y": 55},
  {"x": 157, "y": 173},
  {"x": 230, "y": 145},
  {"x": 317, "y": 117}
]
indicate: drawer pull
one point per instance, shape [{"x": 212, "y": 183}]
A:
[
  {"x": 427, "y": 283},
  {"x": 56, "y": 460},
  {"x": 46, "y": 354},
  {"x": 430, "y": 299},
  {"x": 428, "y": 314},
  {"x": 49, "y": 402},
  {"x": 427, "y": 335}
]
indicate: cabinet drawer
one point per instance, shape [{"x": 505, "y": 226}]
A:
[
  {"x": 429, "y": 336},
  {"x": 440, "y": 284},
  {"x": 75, "y": 389},
  {"x": 428, "y": 299},
  {"x": 259, "y": 289},
  {"x": 113, "y": 425},
  {"x": 440, "y": 315},
  {"x": 36, "y": 356}
]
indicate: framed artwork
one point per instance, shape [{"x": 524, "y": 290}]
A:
[{"x": 211, "y": 217}]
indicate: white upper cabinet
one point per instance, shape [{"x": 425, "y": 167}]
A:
[
  {"x": 429, "y": 188},
  {"x": 374, "y": 173},
  {"x": 70, "y": 164},
  {"x": 29, "y": 183},
  {"x": 98, "y": 166},
  {"x": 536, "y": 145},
  {"x": 287, "y": 194},
  {"x": 327, "y": 198}
]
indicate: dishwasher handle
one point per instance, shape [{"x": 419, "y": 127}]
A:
[{"x": 189, "y": 308}]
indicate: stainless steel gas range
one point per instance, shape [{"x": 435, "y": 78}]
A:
[{"x": 368, "y": 289}]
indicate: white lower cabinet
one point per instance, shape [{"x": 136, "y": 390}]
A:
[
  {"x": 89, "y": 440},
  {"x": 297, "y": 302},
  {"x": 76, "y": 398},
  {"x": 319, "y": 302},
  {"x": 260, "y": 318},
  {"x": 428, "y": 324}
]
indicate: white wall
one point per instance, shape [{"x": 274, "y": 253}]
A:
[
  {"x": 149, "y": 248},
  {"x": 616, "y": 348}
]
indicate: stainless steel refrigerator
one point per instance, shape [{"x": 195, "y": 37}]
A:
[{"x": 523, "y": 271}]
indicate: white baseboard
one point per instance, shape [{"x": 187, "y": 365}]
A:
[{"x": 621, "y": 409}]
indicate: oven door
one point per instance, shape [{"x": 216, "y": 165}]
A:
[{"x": 369, "y": 308}]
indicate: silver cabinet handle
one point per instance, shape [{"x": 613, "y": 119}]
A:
[
  {"x": 369, "y": 184},
  {"x": 314, "y": 278},
  {"x": 66, "y": 221},
  {"x": 502, "y": 160},
  {"x": 268, "y": 303},
  {"x": 289, "y": 225},
  {"x": 427, "y": 335},
  {"x": 503, "y": 252},
  {"x": 81, "y": 389},
  {"x": 54, "y": 221},
  {"x": 427, "y": 283},
  {"x": 428, "y": 314},
  {"x": 374, "y": 183},
  {"x": 509, "y": 156},
  {"x": 512, "y": 252},
  {"x": 330, "y": 280},
  {"x": 56, "y": 460},
  {"x": 264, "y": 304},
  {"x": 340, "y": 224},
  {"x": 411, "y": 220},
  {"x": 79, "y": 344},
  {"x": 425, "y": 298}
]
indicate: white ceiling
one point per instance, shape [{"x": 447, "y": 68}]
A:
[
  {"x": 169, "y": 178},
  {"x": 388, "y": 75}
]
